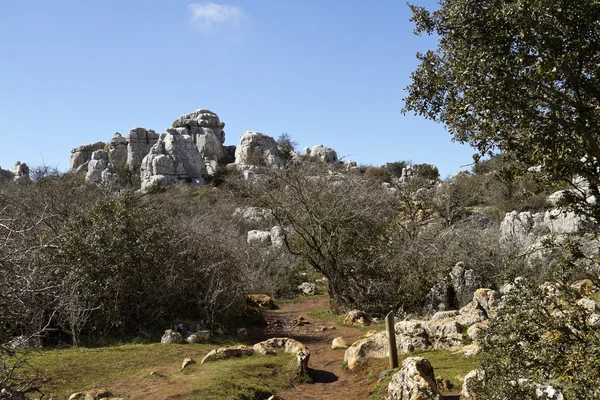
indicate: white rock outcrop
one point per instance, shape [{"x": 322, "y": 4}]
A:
[
  {"x": 80, "y": 156},
  {"x": 258, "y": 149},
  {"x": 414, "y": 381}
]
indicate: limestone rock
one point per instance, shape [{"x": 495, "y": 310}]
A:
[
  {"x": 81, "y": 155},
  {"x": 339, "y": 343},
  {"x": 471, "y": 350},
  {"x": 375, "y": 346},
  {"x": 324, "y": 153},
  {"x": 258, "y": 149},
  {"x": 288, "y": 345},
  {"x": 199, "y": 337},
  {"x": 171, "y": 336},
  {"x": 97, "y": 394},
  {"x": 98, "y": 163},
  {"x": 414, "y": 381},
  {"x": 20, "y": 172},
  {"x": 308, "y": 289},
  {"x": 139, "y": 143},
  {"x": 261, "y": 301},
  {"x": 464, "y": 282},
  {"x": 186, "y": 362},
  {"x": 173, "y": 159},
  {"x": 477, "y": 331},
  {"x": 489, "y": 300},
  {"x": 223, "y": 353},
  {"x": 255, "y": 214},
  {"x": 473, "y": 380},
  {"x": 117, "y": 149},
  {"x": 277, "y": 237},
  {"x": 259, "y": 238},
  {"x": 77, "y": 396},
  {"x": 357, "y": 317},
  {"x": 206, "y": 131}
]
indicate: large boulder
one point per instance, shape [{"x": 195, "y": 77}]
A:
[
  {"x": 80, "y": 156},
  {"x": 171, "y": 336},
  {"x": 358, "y": 318},
  {"x": 258, "y": 149},
  {"x": 139, "y": 143},
  {"x": 474, "y": 381},
  {"x": 173, "y": 159},
  {"x": 288, "y": 345},
  {"x": 206, "y": 131},
  {"x": 259, "y": 238},
  {"x": 20, "y": 172},
  {"x": 375, "y": 346},
  {"x": 323, "y": 153},
  {"x": 224, "y": 353},
  {"x": 117, "y": 150},
  {"x": 453, "y": 291},
  {"x": 255, "y": 214},
  {"x": 98, "y": 163},
  {"x": 414, "y": 381}
]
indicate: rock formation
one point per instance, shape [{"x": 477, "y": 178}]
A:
[
  {"x": 18, "y": 173},
  {"x": 139, "y": 143},
  {"x": 117, "y": 149},
  {"x": 326, "y": 154},
  {"x": 173, "y": 159},
  {"x": 414, "y": 381},
  {"x": 258, "y": 149},
  {"x": 80, "y": 156}
]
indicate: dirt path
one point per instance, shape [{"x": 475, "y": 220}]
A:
[{"x": 330, "y": 381}]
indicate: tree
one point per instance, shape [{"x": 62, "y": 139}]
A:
[
  {"x": 287, "y": 146},
  {"x": 521, "y": 77}
]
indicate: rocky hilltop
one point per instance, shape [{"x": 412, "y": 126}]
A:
[{"x": 191, "y": 151}]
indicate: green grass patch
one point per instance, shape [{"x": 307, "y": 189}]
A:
[{"x": 247, "y": 378}]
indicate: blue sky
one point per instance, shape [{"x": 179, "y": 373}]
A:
[{"x": 324, "y": 71}]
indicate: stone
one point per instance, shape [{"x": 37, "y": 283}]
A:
[
  {"x": 77, "y": 396},
  {"x": 515, "y": 227},
  {"x": 261, "y": 301},
  {"x": 489, "y": 300},
  {"x": 206, "y": 130},
  {"x": 555, "y": 199},
  {"x": 471, "y": 350},
  {"x": 583, "y": 286},
  {"x": 173, "y": 159},
  {"x": 339, "y": 343},
  {"x": 98, "y": 163},
  {"x": 139, "y": 143},
  {"x": 357, "y": 317},
  {"x": 277, "y": 237},
  {"x": 414, "y": 381},
  {"x": 186, "y": 362},
  {"x": 308, "y": 288},
  {"x": 171, "y": 336},
  {"x": 477, "y": 331},
  {"x": 324, "y": 153},
  {"x": 20, "y": 172},
  {"x": 588, "y": 304},
  {"x": 199, "y": 337},
  {"x": 259, "y": 238},
  {"x": 255, "y": 214},
  {"x": 80, "y": 156},
  {"x": 258, "y": 149},
  {"x": 562, "y": 222},
  {"x": 288, "y": 345},
  {"x": 444, "y": 315},
  {"x": 97, "y": 394},
  {"x": 223, "y": 353},
  {"x": 473, "y": 380},
  {"x": 464, "y": 282},
  {"x": 375, "y": 346}
]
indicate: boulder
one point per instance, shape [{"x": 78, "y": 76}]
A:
[
  {"x": 117, "y": 150},
  {"x": 357, "y": 317},
  {"x": 414, "y": 381},
  {"x": 206, "y": 131},
  {"x": 98, "y": 163},
  {"x": 277, "y": 237},
  {"x": 255, "y": 214},
  {"x": 199, "y": 337},
  {"x": 488, "y": 300},
  {"x": 324, "y": 153},
  {"x": 464, "y": 282},
  {"x": 139, "y": 143},
  {"x": 261, "y": 301},
  {"x": 288, "y": 345},
  {"x": 339, "y": 343},
  {"x": 186, "y": 362},
  {"x": 477, "y": 331},
  {"x": 259, "y": 238},
  {"x": 375, "y": 346},
  {"x": 258, "y": 149},
  {"x": 173, "y": 159},
  {"x": 223, "y": 353},
  {"x": 171, "y": 336},
  {"x": 20, "y": 172},
  {"x": 473, "y": 381},
  {"x": 307, "y": 288},
  {"x": 97, "y": 394},
  {"x": 80, "y": 156}
]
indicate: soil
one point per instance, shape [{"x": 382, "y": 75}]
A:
[{"x": 330, "y": 382}]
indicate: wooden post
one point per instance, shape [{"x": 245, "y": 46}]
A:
[{"x": 389, "y": 324}]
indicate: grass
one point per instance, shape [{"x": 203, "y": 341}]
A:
[
  {"x": 126, "y": 369},
  {"x": 448, "y": 365}
]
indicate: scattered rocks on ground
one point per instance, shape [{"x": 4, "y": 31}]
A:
[
  {"x": 308, "y": 288},
  {"x": 255, "y": 214},
  {"x": 288, "y": 345},
  {"x": 199, "y": 337},
  {"x": 414, "y": 381}
]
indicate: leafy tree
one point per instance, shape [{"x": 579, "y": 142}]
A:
[
  {"x": 426, "y": 171},
  {"x": 395, "y": 168},
  {"x": 517, "y": 76},
  {"x": 286, "y": 145}
]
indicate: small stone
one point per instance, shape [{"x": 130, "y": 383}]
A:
[
  {"x": 76, "y": 396},
  {"x": 339, "y": 343},
  {"x": 187, "y": 362}
]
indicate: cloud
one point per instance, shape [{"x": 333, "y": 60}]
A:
[{"x": 208, "y": 16}]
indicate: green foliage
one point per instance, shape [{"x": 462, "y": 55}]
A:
[
  {"x": 520, "y": 77},
  {"x": 426, "y": 171},
  {"x": 543, "y": 336},
  {"x": 287, "y": 146},
  {"x": 395, "y": 168}
]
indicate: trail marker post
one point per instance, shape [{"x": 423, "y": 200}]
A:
[{"x": 389, "y": 324}]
